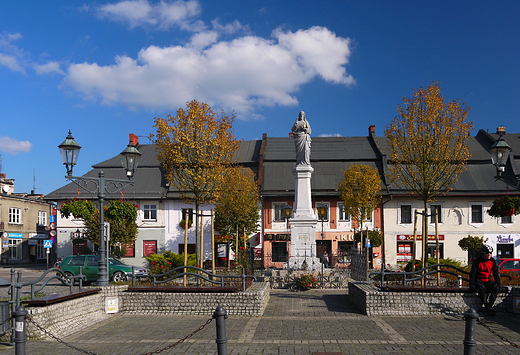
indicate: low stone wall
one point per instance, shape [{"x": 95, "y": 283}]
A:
[
  {"x": 370, "y": 300},
  {"x": 251, "y": 302},
  {"x": 70, "y": 316}
]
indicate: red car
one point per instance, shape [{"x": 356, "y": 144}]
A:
[{"x": 509, "y": 264}]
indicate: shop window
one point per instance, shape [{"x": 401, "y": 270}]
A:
[
  {"x": 404, "y": 252},
  {"x": 279, "y": 252},
  {"x": 15, "y": 249}
]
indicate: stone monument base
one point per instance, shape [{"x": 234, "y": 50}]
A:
[{"x": 302, "y": 263}]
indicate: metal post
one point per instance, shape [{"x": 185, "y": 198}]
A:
[
  {"x": 102, "y": 279},
  {"x": 220, "y": 315},
  {"x": 20, "y": 337},
  {"x": 471, "y": 317},
  {"x": 13, "y": 303}
]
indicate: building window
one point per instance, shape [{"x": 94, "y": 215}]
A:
[
  {"x": 278, "y": 211},
  {"x": 476, "y": 214},
  {"x": 15, "y": 215},
  {"x": 437, "y": 209},
  {"x": 191, "y": 248},
  {"x": 342, "y": 215},
  {"x": 506, "y": 219},
  {"x": 190, "y": 214},
  {"x": 150, "y": 212},
  {"x": 406, "y": 214},
  {"x": 42, "y": 218}
]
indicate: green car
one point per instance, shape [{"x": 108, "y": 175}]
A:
[{"x": 117, "y": 270}]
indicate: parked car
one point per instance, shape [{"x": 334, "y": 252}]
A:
[
  {"x": 117, "y": 270},
  {"x": 509, "y": 264}
]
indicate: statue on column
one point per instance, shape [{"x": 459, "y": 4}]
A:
[{"x": 302, "y": 140}]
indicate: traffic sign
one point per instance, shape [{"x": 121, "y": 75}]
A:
[{"x": 47, "y": 244}]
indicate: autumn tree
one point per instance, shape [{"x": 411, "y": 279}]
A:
[
  {"x": 427, "y": 146},
  {"x": 238, "y": 207},
  {"x": 194, "y": 148},
  {"x": 360, "y": 191}
]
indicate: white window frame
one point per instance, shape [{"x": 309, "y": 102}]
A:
[
  {"x": 281, "y": 205},
  {"x": 506, "y": 224},
  {"x": 470, "y": 214},
  {"x": 147, "y": 207},
  {"x": 343, "y": 223},
  {"x": 42, "y": 218},
  {"x": 399, "y": 215},
  {"x": 15, "y": 249},
  {"x": 15, "y": 215}
]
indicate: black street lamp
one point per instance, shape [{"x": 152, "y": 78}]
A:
[
  {"x": 322, "y": 216},
  {"x": 69, "y": 150}
]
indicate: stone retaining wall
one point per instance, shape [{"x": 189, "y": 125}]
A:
[
  {"x": 70, "y": 316},
  {"x": 370, "y": 300}
]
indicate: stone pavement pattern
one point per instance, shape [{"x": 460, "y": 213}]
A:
[{"x": 293, "y": 323}]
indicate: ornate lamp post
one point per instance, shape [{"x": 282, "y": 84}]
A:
[
  {"x": 322, "y": 216},
  {"x": 69, "y": 150},
  {"x": 499, "y": 154}
]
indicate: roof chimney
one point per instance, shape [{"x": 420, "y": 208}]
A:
[
  {"x": 371, "y": 129},
  {"x": 501, "y": 130},
  {"x": 133, "y": 139}
]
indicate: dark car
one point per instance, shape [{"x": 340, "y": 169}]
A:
[
  {"x": 117, "y": 270},
  {"x": 509, "y": 264}
]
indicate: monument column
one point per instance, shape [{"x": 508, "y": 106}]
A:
[{"x": 304, "y": 220}]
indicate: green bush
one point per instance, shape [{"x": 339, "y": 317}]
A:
[
  {"x": 162, "y": 263},
  {"x": 305, "y": 281}
]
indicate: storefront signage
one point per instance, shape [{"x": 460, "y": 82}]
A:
[
  {"x": 502, "y": 238},
  {"x": 408, "y": 237},
  {"x": 15, "y": 235},
  {"x": 278, "y": 237}
]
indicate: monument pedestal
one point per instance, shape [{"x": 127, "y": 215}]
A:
[{"x": 303, "y": 223}]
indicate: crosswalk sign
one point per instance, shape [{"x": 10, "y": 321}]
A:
[{"x": 47, "y": 244}]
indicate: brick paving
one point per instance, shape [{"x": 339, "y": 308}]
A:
[{"x": 316, "y": 321}]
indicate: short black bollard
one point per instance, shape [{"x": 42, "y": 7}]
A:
[
  {"x": 19, "y": 334},
  {"x": 471, "y": 317},
  {"x": 220, "y": 315}
]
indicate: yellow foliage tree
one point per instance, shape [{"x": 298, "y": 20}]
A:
[
  {"x": 195, "y": 147},
  {"x": 237, "y": 209},
  {"x": 427, "y": 145},
  {"x": 360, "y": 191}
]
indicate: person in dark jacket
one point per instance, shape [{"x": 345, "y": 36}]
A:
[{"x": 480, "y": 280}]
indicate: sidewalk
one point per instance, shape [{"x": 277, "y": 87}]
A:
[{"x": 293, "y": 323}]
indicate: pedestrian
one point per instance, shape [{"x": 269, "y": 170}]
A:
[
  {"x": 480, "y": 280},
  {"x": 326, "y": 259}
]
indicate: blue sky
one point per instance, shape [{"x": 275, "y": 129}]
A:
[{"x": 105, "y": 69}]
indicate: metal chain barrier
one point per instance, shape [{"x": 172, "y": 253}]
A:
[
  {"x": 498, "y": 335},
  {"x": 93, "y": 353},
  {"x": 181, "y": 340}
]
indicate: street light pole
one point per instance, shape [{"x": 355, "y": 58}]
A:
[
  {"x": 287, "y": 212},
  {"x": 69, "y": 150},
  {"x": 322, "y": 215}
]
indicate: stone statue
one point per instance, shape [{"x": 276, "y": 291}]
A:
[{"x": 302, "y": 140}]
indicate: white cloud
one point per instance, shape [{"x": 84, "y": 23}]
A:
[
  {"x": 12, "y": 146},
  {"x": 10, "y": 55},
  {"x": 162, "y": 15},
  {"x": 241, "y": 74},
  {"x": 48, "y": 68}
]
